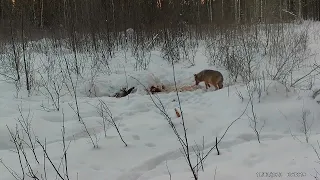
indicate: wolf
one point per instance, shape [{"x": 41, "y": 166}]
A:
[{"x": 210, "y": 77}]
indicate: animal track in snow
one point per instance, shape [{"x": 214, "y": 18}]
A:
[
  {"x": 122, "y": 125},
  {"x": 152, "y": 128},
  {"x": 150, "y": 145},
  {"x": 136, "y": 137},
  {"x": 152, "y": 163},
  {"x": 95, "y": 167},
  {"x": 252, "y": 136},
  {"x": 252, "y": 160}
]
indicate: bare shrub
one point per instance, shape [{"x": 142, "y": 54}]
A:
[
  {"x": 189, "y": 47},
  {"x": 266, "y": 37},
  {"x": 106, "y": 115},
  {"x": 247, "y": 54},
  {"x": 234, "y": 48},
  {"x": 142, "y": 51},
  {"x": 254, "y": 122},
  {"x": 72, "y": 85},
  {"x": 51, "y": 83},
  {"x": 17, "y": 138},
  {"x": 306, "y": 125},
  {"x": 10, "y": 63},
  {"x": 288, "y": 51},
  {"x": 239, "y": 49},
  {"x": 212, "y": 46},
  {"x": 170, "y": 50},
  {"x": 109, "y": 43},
  {"x": 126, "y": 40},
  {"x": 25, "y": 125},
  {"x": 219, "y": 47},
  {"x": 17, "y": 64},
  {"x": 316, "y": 150}
]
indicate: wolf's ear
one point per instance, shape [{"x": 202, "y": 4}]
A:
[{"x": 195, "y": 75}]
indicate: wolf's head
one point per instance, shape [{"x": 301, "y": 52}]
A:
[{"x": 196, "y": 78}]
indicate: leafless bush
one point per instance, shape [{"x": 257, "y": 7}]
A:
[
  {"x": 141, "y": 50},
  {"x": 254, "y": 122},
  {"x": 109, "y": 42},
  {"x": 170, "y": 176},
  {"x": 74, "y": 45},
  {"x": 220, "y": 48},
  {"x": 17, "y": 63},
  {"x": 259, "y": 85},
  {"x": 22, "y": 129},
  {"x": 189, "y": 47},
  {"x": 25, "y": 125},
  {"x": 69, "y": 81},
  {"x": 64, "y": 161},
  {"x": 234, "y": 65},
  {"x": 65, "y": 148},
  {"x": 96, "y": 67},
  {"x": 17, "y": 138},
  {"x": 72, "y": 85},
  {"x": 53, "y": 89},
  {"x": 92, "y": 87},
  {"x": 212, "y": 46},
  {"x": 316, "y": 150},
  {"x": 235, "y": 49},
  {"x": 170, "y": 50},
  {"x": 126, "y": 40},
  {"x": 16, "y": 54},
  {"x": 308, "y": 76},
  {"x": 106, "y": 115},
  {"x": 199, "y": 152},
  {"x": 247, "y": 52},
  {"x": 266, "y": 30},
  {"x": 11, "y": 63},
  {"x": 306, "y": 125},
  {"x": 92, "y": 137},
  {"x": 240, "y": 95},
  {"x": 26, "y": 62},
  {"x": 238, "y": 49},
  {"x": 51, "y": 83},
  {"x": 287, "y": 52},
  {"x": 315, "y": 93}
]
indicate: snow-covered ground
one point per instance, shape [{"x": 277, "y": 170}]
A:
[{"x": 153, "y": 151}]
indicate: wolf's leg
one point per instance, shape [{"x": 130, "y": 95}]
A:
[
  {"x": 220, "y": 85},
  {"x": 216, "y": 86},
  {"x": 207, "y": 85}
]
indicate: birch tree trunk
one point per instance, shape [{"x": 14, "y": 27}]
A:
[
  {"x": 210, "y": 8},
  {"x": 300, "y": 11},
  {"x": 41, "y": 14},
  {"x": 280, "y": 10},
  {"x": 236, "y": 11},
  {"x": 222, "y": 10}
]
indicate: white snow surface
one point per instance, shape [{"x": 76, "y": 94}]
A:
[{"x": 153, "y": 151}]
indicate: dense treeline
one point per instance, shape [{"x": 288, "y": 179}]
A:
[{"x": 118, "y": 15}]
